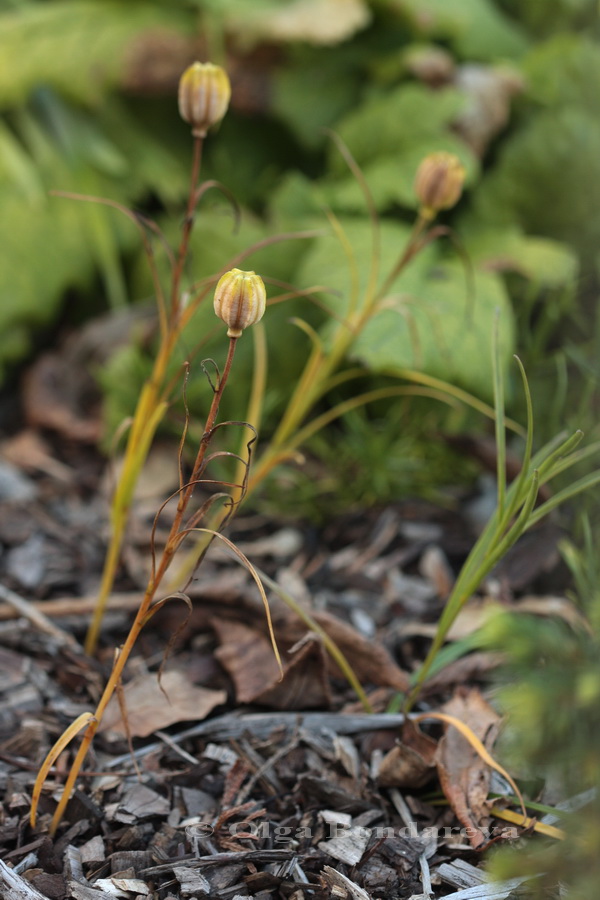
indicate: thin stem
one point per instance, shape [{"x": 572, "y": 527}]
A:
[
  {"x": 173, "y": 541},
  {"x": 188, "y": 224},
  {"x": 186, "y": 494},
  {"x": 150, "y": 408},
  {"x": 410, "y": 250}
]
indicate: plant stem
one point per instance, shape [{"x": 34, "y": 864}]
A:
[
  {"x": 153, "y": 584},
  {"x": 188, "y": 224},
  {"x": 149, "y": 412}
]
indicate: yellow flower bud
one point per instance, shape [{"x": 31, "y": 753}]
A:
[
  {"x": 204, "y": 92},
  {"x": 240, "y": 300},
  {"x": 439, "y": 182}
]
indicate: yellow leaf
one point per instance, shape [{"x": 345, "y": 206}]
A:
[
  {"x": 479, "y": 748},
  {"x": 63, "y": 741}
]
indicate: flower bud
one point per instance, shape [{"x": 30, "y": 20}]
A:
[
  {"x": 204, "y": 93},
  {"x": 439, "y": 182},
  {"x": 240, "y": 300}
]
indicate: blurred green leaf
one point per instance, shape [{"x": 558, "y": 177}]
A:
[
  {"x": 548, "y": 180},
  {"x": 314, "y": 91},
  {"x": 477, "y": 29},
  {"x": 436, "y": 331},
  {"x": 544, "y": 262},
  {"x": 78, "y": 47},
  {"x": 549, "y": 16},
  {"x": 428, "y": 322},
  {"x": 565, "y": 71},
  {"x": 395, "y": 121},
  {"x": 391, "y": 178}
]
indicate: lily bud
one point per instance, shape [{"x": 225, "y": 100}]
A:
[
  {"x": 204, "y": 92},
  {"x": 439, "y": 182},
  {"x": 240, "y": 300}
]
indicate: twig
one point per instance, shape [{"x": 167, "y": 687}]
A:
[
  {"x": 15, "y": 887},
  {"x": 261, "y": 725},
  {"x": 31, "y": 612}
]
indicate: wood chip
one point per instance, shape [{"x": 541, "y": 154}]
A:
[
  {"x": 348, "y": 846},
  {"x": 13, "y": 887},
  {"x": 191, "y": 881},
  {"x": 335, "y": 879},
  {"x": 123, "y": 887},
  {"x": 140, "y": 802},
  {"x": 491, "y": 891},
  {"x": 347, "y": 754},
  {"x": 93, "y": 851}
]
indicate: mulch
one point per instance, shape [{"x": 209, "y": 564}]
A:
[{"x": 240, "y": 783}]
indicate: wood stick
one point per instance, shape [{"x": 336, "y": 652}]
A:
[{"x": 13, "y": 887}]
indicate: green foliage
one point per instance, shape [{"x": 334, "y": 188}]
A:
[
  {"x": 394, "y": 122},
  {"x": 551, "y": 696},
  {"x": 76, "y": 47},
  {"x": 564, "y": 71},
  {"x": 516, "y": 509},
  {"x": 49, "y": 141},
  {"x": 556, "y": 157},
  {"x": 476, "y": 29},
  {"x": 91, "y": 130},
  {"x": 334, "y": 78},
  {"x": 548, "y": 176},
  {"x": 550, "y": 16},
  {"x": 434, "y": 319}
]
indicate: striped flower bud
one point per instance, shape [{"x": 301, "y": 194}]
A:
[
  {"x": 204, "y": 93},
  {"x": 240, "y": 300},
  {"x": 439, "y": 182}
]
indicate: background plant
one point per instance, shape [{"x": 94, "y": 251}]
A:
[
  {"x": 516, "y": 511},
  {"x": 549, "y": 693},
  {"x": 83, "y": 125}
]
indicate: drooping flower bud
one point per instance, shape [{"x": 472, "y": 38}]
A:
[
  {"x": 204, "y": 92},
  {"x": 439, "y": 182},
  {"x": 240, "y": 300}
]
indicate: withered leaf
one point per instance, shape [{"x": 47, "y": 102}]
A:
[
  {"x": 463, "y": 775},
  {"x": 248, "y": 657},
  {"x": 148, "y": 709}
]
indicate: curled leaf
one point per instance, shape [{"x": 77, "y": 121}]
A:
[{"x": 63, "y": 741}]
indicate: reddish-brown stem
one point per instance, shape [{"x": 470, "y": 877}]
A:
[
  {"x": 186, "y": 494},
  {"x": 176, "y": 535},
  {"x": 187, "y": 230}
]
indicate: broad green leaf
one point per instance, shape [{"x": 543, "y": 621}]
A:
[
  {"x": 477, "y": 29},
  {"x": 296, "y": 199},
  {"x": 545, "y": 262},
  {"x": 326, "y": 263},
  {"x": 51, "y": 244},
  {"x": 565, "y": 71},
  {"x": 393, "y": 122},
  {"x": 428, "y": 321},
  {"x": 439, "y": 330},
  {"x": 80, "y": 48},
  {"x": 391, "y": 177},
  {"x": 548, "y": 180}
]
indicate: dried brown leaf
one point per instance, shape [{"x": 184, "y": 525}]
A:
[
  {"x": 149, "y": 711},
  {"x": 410, "y": 764},
  {"x": 248, "y": 657},
  {"x": 463, "y": 775},
  {"x": 370, "y": 660}
]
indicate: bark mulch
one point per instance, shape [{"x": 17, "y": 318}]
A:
[{"x": 239, "y": 783}]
